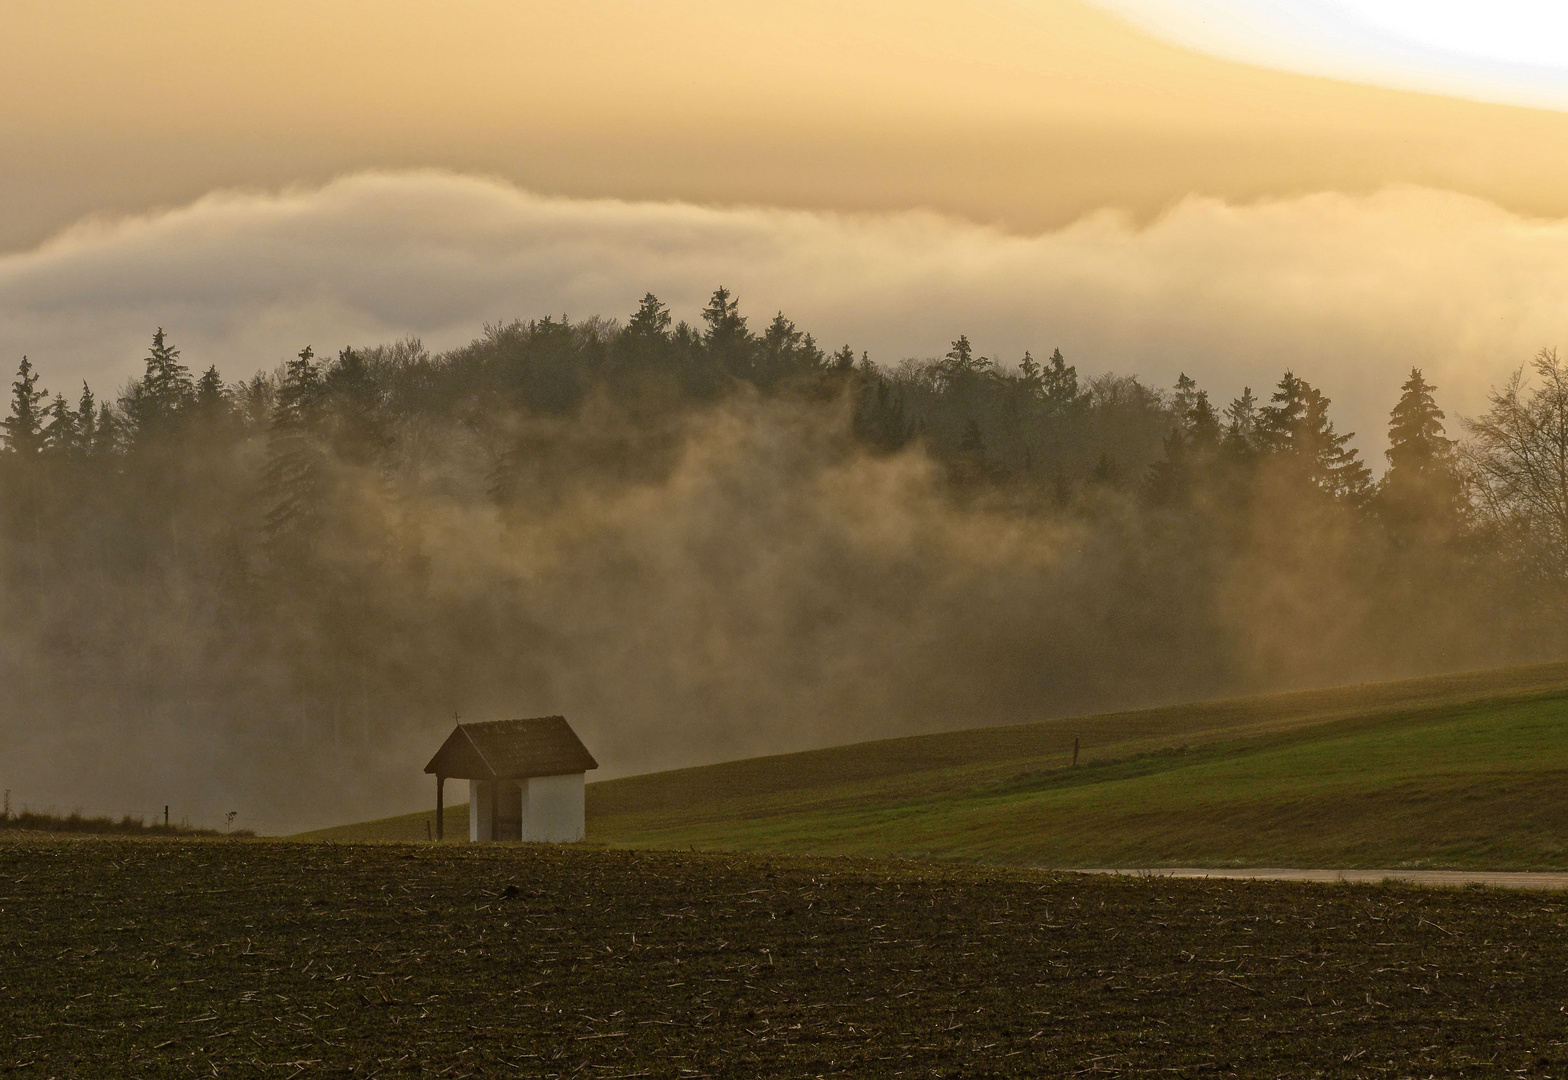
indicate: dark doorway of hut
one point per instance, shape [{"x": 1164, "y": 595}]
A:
[{"x": 508, "y": 820}]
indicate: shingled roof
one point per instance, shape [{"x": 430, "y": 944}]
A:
[{"x": 542, "y": 746}]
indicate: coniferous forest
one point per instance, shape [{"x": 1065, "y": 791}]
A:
[{"x": 702, "y": 542}]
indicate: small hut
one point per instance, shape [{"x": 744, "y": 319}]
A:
[{"x": 525, "y": 779}]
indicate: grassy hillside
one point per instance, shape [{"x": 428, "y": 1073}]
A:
[{"x": 1461, "y": 771}]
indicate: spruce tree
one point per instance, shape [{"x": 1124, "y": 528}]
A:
[
  {"x": 728, "y": 343},
  {"x": 644, "y": 348},
  {"x": 1196, "y": 422},
  {"x": 61, "y": 431},
  {"x": 1185, "y": 399},
  {"x": 353, "y": 404},
  {"x": 1241, "y": 425},
  {"x": 161, "y": 396},
  {"x": 880, "y": 420},
  {"x": 24, "y": 426},
  {"x": 723, "y": 318},
  {"x": 1417, "y": 444},
  {"x": 1029, "y": 375},
  {"x": 786, "y": 352},
  {"x": 1337, "y": 467},
  {"x": 106, "y": 432},
  {"x": 1422, "y": 486},
  {"x": 1297, "y": 429},
  {"x": 210, "y": 398},
  {"x": 1203, "y": 426},
  {"x": 295, "y": 471},
  {"x": 1279, "y": 423},
  {"x": 651, "y": 321},
  {"x": 961, "y": 367},
  {"x": 1170, "y": 479},
  {"x": 1189, "y": 448},
  {"x": 86, "y": 420},
  {"x": 1059, "y": 383}
]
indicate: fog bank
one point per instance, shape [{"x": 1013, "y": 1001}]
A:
[{"x": 1351, "y": 290}]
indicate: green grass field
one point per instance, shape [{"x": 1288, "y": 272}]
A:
[{"x": 1466, "y": 771}]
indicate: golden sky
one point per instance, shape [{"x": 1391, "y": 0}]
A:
[
  {"x": 1025, "y": 114},
  {"x": 348, "y": 172}
]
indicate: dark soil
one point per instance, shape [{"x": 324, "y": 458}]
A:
[{"x": 154, "y": 958}]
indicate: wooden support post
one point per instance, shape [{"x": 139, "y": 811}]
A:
[
  {"x": 1075, "y": 751},
  {"x": 440, "y": 809}
]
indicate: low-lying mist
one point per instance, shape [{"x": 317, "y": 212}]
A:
[{"x": 698, "y": 544}]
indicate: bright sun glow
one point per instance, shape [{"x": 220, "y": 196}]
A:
[
  {"x": 1502, "y": 50},
  {"x": 1508, "y": 31}
]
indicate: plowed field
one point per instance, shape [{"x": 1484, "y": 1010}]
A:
[{"x": 153, "y": 958}]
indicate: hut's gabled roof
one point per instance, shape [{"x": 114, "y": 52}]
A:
[{"x": 543, "y": 746}]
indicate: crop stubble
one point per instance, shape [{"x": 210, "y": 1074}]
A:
[{"x": 178, "y": 958}]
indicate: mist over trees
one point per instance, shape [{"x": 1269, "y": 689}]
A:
[{"x": 707, "y": 541}]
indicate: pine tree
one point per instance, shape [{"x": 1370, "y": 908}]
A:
[
  {"x": 960, "y": 368},
  {"x": 106, "y": 432},
  {"x": 161, "y": 396},
  {"x": 167, "y": 379},
  {"x": 1196, "y": 422},
  {"x": 353, "y": 403},
  {"x": 1339, "y": 469},
  {"x": 786, "y": 352},
  {"x": 210, "y": 398},
  {"x": 1186, "y": 397},
  {"x": 1279, "y": 424},
  {"x": 295, "y": 473},
  {"x": 651, "y": 322},
  {"x": 1189, "y": 448},
  {"x": 61, "y": 431},
  {"x": 723, "y": 318},
  {"x": 1417, "y": 444},
  {"x": 1059, "y": 383},
  {"x": 1241, "y": 425},
  {"x": 86, "y": 420},
  {"x": 1296, "y": 428},
  {"x": 1422, "y": 486},
  {"x": 728, "y": 343},
  {"x": 1029, "y": 375},
  {"x": 1203, "y": 426},
  {"x": 880, "y": 420},
  {"x": 24, "y": 427}
]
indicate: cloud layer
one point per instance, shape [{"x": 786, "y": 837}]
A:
[{"x": 1349, "y": 291}]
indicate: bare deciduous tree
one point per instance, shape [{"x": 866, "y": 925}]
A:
[{"x": 1517, "y": 463}]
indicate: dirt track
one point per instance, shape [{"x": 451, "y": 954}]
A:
[{"x": 1442, "y": 878}]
